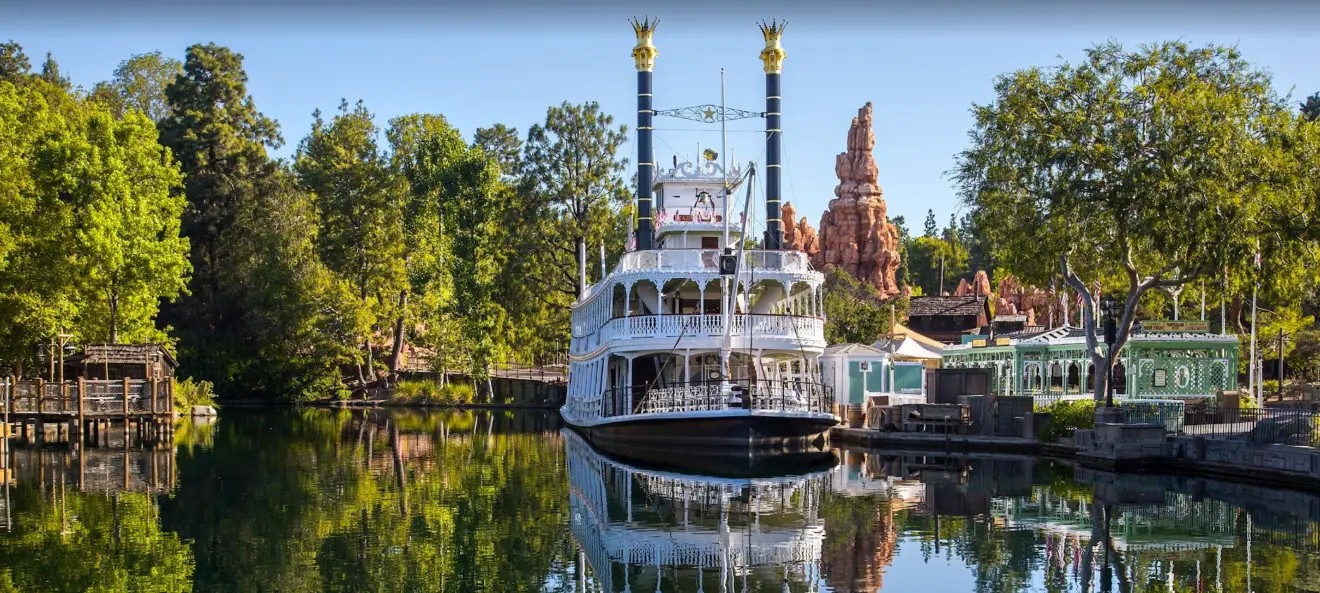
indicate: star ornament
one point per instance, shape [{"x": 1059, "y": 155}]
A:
[{"x": 709, "y": 113}]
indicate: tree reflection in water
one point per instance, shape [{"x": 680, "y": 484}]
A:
[{"x": 321, "y": 500}]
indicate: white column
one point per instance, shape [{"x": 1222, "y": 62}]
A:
[{"x": 628, "y": 398}]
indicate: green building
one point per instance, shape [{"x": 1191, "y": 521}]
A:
[{"x": 1053, "y": 364}]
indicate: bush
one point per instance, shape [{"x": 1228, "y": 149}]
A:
[
  {"x": 188, "y": 393},
  {"x": 1067, "y": 417},
  {"x": 414, "y": 393}
]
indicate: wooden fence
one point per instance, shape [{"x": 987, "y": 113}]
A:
[{"x": 92, "y": 399}]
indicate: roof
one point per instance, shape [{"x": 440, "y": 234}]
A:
[
  {"x": 903, "y": 330},
  {"x": 853, "y": 348},
  {"x": 124, "y": 354},
  {"x": 946, "y": 305},
  {"x": 907, "y": 347}
]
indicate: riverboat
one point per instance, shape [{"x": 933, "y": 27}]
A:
[{"x": 696, "y": 342}]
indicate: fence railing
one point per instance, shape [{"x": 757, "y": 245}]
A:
[
  {"x": 1281, "y": 426},
  {"x": 752, "y": 395},
  {"x": 91, "y": 397}
]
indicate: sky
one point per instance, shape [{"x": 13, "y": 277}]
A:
[{"x": 922, "y": 65}]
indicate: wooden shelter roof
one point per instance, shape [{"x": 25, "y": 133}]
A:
[{"x": 123, "y": 354}]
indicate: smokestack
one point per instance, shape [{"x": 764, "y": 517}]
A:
[
  {"x": 644, "y": 55},
  {"x": 773, "y": 58}
]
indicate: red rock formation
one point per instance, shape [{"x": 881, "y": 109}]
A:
[
  {"x": 855, "y": 233},
  {"x": 798, "y": 234},
  {"x": 979, "y": 286}
]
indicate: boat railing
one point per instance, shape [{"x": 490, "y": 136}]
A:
[
  {"x": 708, "y": 260},
  {"x": 715, "y": 396},
  {"x": 757, "y": 325}
]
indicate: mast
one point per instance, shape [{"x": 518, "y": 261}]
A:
[
  {"x": 644, "y": 55},
  {"x": 724, "y": 156}
]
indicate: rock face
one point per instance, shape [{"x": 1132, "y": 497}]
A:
[
  {"x": 798, "y": 234},
  {"x": 855, "y": 233},
  {"x": 979, "y": 286}
]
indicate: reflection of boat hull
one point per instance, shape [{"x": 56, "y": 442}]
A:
[{"x": 716, "y": 440}]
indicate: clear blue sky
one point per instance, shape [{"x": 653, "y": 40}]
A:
[{"x": 922, "y": 68}]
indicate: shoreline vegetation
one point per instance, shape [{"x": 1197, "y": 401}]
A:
[{"x": 150, "y": 210}]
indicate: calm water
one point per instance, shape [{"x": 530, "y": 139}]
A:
[{"x": 318, "y": 500}]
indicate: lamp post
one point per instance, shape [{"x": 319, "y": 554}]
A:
[{"x": 1107, "y": 306}]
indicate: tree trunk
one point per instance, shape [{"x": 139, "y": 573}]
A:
[
  {"x": 114, "y": 313},
  {"x": 1235, "y": 313},
  {"x": 399, "y": 334}
]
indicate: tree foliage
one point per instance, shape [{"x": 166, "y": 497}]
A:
[
  {"x": 1143, "y": 169},
  {"x": 855, "y": 312},
  {"x": 360, "y": 204},
  {"x": 90, "y": 240},
  {"x": 139, "y": 83}
]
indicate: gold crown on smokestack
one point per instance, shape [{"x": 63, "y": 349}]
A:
[
  {"x": 644, "y": 53},
  {"x": 773, "y": 55}
]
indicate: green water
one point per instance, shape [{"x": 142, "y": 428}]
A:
[{"x": 320, "y": 500}]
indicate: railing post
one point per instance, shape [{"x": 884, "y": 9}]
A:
[
  {"x": 126, "y": 405},
  {"x": 41, "y": 393},
  {"x": 82, "y": 395}
]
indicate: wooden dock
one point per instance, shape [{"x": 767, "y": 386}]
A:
[{"x": 84, "y": 410}]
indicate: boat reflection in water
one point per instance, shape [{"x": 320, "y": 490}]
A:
[{"x": 641, "y": 529}]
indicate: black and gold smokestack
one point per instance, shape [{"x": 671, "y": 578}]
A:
[
  {"x": 773, "y": 58},
  {"x": 644, "y": 54}
]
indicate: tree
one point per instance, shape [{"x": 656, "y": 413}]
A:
[
  {"x": 1311, "y": 108},
  {"x": 220, "y": 139},
  {"x": 303, "y": 321},
  {"x": 855, "y": 312},
  {"x": 974, "y": 241},
  {"x": 903, "y": 277},
  {"x": 931, "y": 225},
  {"x": 501, "y": 143},
  {"x": 14, "y": 64},
  {"x": 122, "y": 187},
  {"x": 359, "y": 200},
  {"x": 465, "y": 183},
  {"x": 925, "y": 256},
  {"x": 50, "y": 72},
  {"x": 139, "y": 83},
  {"x": 1151, "y": 168},
  {"x": 425, "y": 244},
  {"x": 576, "y": 190}
]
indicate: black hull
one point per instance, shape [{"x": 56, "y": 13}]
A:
[{"x": 723, "y": 445}]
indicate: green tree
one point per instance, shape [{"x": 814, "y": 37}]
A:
[
  {"x": 465, "y": 184},
  {"x": 931, "y": 226},
  {"x": 425, "y": 244},
  {"x": 303, "y": 321},
  {"x": 120, "y": 184},
  {"x": 50, "y": 72},
  {"x": 14, "y": 64},
  {"x": 501, "y": 143},
  {"x": 577, "y": 193},
  {"x": 139, "y": 83},
  {"x": 220, "y": 139},
  {"x": 904, "y": 275},
  {"x": 855, "y": 312},
  {"x": 1157, "y": 167},
  {"x": 1311, "y": 107},
  {"x": 37, "y": 278},
  {"x": 359, "y": 200},
  {"x": 925, "y": 255}
]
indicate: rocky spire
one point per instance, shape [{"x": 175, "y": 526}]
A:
[{"x": 855, "y": 233}]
